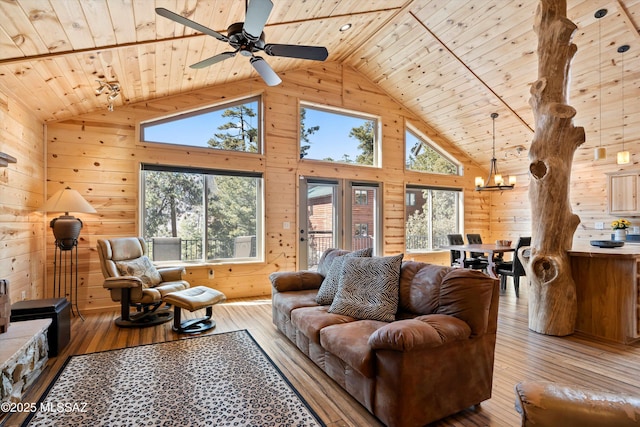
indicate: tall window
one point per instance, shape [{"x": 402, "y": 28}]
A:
[
  {"x": 201, "y": 215},
  {"x": 234, "y": 126},
  {"x": 422, "y": 155},
  {"x": 431, "y": 214},
  {"x": 338, "y": 136}
]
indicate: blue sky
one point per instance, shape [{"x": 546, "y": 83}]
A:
[{"x": 331, "y": 140}]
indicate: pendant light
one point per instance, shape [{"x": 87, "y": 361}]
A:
[
  {"x": 623, "y": 156},
  {"x": 600, "y": 152},
  {"x": 498, "y": 181}
]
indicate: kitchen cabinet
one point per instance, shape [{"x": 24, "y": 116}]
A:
[{"x": 622, "y": 192}]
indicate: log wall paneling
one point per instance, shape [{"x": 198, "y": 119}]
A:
[
  {"x": 99, "y": 155},
  {"x": 22, "y": 227}
]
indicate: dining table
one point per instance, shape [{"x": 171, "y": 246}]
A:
[{"x": 489, "y": 249}]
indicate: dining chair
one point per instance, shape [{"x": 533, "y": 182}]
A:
[
  {"x": 513, "y": 268},
  {"x": 471, "y": 262},
  {"x": 476, "y": 239}
]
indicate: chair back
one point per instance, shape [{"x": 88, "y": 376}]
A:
[
  {"x": 455, "y": 239},
  {"x": 119, "y": 249},
  {"x": 475, "y": 239},
  {"x": 518, "y": 268}
]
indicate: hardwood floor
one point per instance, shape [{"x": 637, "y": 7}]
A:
[{"x": 520, "y": 355}]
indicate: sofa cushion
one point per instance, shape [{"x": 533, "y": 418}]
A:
[
  {"x": 329, "y": 285},
  {"x": 310, "y": 320},
  {"x": 140, "y": 267},
  {"x": 285, "y": 302},
  {"x": 368, "y": 288},
  {"x": 350, "y": 343},
  {"x": 283, "y": 281},
  {"x": 466, "y": 294},
  {"x": 420, "y": 287},
  {"x": 431, "y": 330}
]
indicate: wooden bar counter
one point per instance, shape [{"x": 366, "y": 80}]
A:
[{"x": 607, "y": 291}]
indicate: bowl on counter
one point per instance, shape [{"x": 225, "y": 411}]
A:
[
  {"x": 503, "y": 242},
  {"x": 607, "y": 243}
]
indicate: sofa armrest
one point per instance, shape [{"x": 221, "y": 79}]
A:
[
  {"x": 283, "y": 281},
  {"x": 427, "y": 331},
  {"x": 122, "y": 282},
  {"x": 171, "y": 274},
  {"x": 543, "y": 403}
]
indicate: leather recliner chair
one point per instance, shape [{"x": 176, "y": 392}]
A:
[{"x": 136, "y": 283}]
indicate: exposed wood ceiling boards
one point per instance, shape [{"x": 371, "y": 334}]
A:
[{"x": 451, "y": 62}]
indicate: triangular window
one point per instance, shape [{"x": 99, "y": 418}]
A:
[{"x": 425, "y": 156}]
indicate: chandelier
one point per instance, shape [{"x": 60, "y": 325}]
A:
[{"x": 494, "y": 176}]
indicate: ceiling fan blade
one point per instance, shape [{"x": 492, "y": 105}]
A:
[
  {"x": 316, "y": 53},
  {"x": 266, "y": 72},
  {"x": 189, "y": 23},
  {"x": 213, "y": 60},
  {"x": 257, "y": 14}
]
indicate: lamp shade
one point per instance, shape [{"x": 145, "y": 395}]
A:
[{"x": 67, "y": 200}]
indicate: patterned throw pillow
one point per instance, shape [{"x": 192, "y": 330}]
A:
[
  {"x": 368, "y": 288},
  {"x": 140, "y": 267},
  {"x": 329, "y": 285}
]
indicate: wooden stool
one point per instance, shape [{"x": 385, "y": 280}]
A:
[{"x": 194, "y": 299}]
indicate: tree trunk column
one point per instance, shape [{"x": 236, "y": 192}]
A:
[{"x": 552, "y": 294}]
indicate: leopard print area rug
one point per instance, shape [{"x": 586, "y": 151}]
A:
[{"x": 215, "y": 380}]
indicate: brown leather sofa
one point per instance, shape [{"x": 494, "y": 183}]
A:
[
  {"x": 434, "y": 360},
  {"x": 548, "y": 404}
]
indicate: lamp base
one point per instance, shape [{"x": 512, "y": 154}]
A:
[{"x": 66, "y": 229}]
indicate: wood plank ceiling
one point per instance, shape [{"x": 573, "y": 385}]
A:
[{"x": 452, "y": 62}]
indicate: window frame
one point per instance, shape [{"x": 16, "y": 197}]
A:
[
  {"x": 377, "y": 132},
  {"x": 410, "y": 128},
  {"x": 205, "y": 110},
  {"x": 260, "y": 209}
]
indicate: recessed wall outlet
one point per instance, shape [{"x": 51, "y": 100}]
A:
[
  {"x": 286, "y": 225},
  {"x": 599, "y": 225},
  {"x": 211, "y": 273},
  {"x": 23, "y": 295}
]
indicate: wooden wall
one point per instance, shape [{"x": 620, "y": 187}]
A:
[
  {"x": 22, "y": 228},
  {"x": 98, "y": 154},
  {"x": 511, "y": 215}
]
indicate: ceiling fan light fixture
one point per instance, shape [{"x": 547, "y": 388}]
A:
[{"x": 247, "y": 38}]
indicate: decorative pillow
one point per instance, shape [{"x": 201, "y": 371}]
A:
[
  {"x": 329, "y": 285},
  {"x": 324, "y": 265},
  {"x": 368, "y": 288},
  {"x": 140, "y": 267}
]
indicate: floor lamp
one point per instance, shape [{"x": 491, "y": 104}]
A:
[{"x": 66, "y": 230}]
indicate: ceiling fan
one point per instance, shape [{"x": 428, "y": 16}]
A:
[{"x": 247, "y": 38}]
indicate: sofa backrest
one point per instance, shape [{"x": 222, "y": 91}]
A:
[{"x": 469, "y": 295}]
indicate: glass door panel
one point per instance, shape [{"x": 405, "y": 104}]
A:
[
  {"x": 363, "y": 216},
  {"x": 319, "y": 221}
]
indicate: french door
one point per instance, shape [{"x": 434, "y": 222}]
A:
[{"x": 337, "y": 213}]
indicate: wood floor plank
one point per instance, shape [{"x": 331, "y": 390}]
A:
[{"x": 521, "y": 354}]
